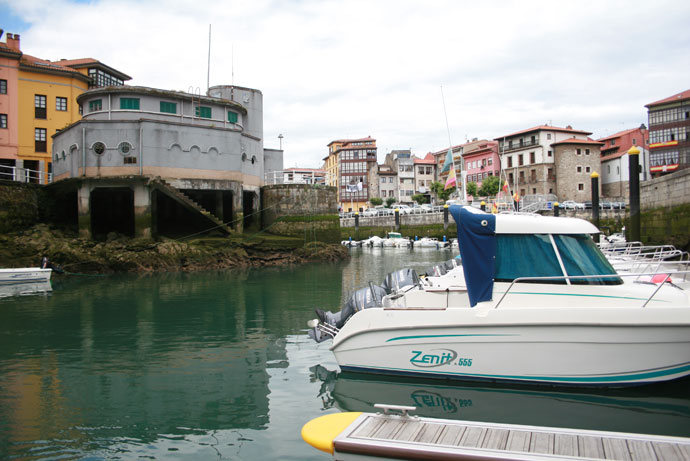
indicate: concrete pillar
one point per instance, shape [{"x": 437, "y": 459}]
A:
[
  {"x": 219, "y": 205},
  {"x": 238, "y": 209},
  {"x": 19, "y": 172},
  {"x": 84, "y": 209},
  {"x": 143, "y": 218}
]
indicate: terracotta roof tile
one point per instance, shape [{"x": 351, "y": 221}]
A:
[
  {"x": 587, "y": 141},
  {"x": 682, "y": 96},
  {"x": 544, "y": 128}
]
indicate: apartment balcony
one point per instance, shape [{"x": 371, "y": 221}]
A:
[{"x": 517, "y": 145}]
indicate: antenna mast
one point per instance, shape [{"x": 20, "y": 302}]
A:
[{"x": 208, "y": 72}]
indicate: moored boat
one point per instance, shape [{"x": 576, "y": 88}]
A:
[
  {"x": 540, "y": 304},
  {"x": 22, "y": 275}
]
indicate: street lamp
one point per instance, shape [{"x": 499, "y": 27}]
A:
[{"x": 280, "y": 138}]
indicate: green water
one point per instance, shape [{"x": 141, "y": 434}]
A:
[{"x": 218, "y": 366}]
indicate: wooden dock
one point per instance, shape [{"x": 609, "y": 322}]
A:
[{"x": 388, "y": 436}]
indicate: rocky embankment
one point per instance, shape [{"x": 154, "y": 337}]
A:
[{"x": 122, "y": 254}]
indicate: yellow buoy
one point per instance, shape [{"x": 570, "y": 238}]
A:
[{"x": 320, "y": 432}]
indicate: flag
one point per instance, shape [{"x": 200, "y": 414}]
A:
[
  {"x": 505, "y": 187},
  {"x": 450, "y": 182},
  {"x": 449, "y": 161}
]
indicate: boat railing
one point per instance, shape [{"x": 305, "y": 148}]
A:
[{"x": 659, "y": 281}]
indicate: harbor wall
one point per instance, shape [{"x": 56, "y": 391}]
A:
[
  {"x": 301, "y": 210},
  {"x": 21, "y": 205}
]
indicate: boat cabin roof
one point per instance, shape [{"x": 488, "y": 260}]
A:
[{"x": 537, "y": 224}]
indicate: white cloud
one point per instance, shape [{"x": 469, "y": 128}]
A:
[{"x": 337, "y": 69}]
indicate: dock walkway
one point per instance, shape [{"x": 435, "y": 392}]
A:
[{"x": 408, "y": 437}]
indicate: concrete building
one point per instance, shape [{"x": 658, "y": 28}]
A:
[
  {"x": 167, "y": 153},
  {"x": 669, "y": 134},
  {"x": 424, "y": 175},
  {"x": 614, "y": 177},
  {"x": 304, "y": 176},
  {"x": 528, "y": 159},
  {"x": 387, "y": 182},
  {"x": 348, "y": 166},
  {"x": 402, "y": 162},
  {"x": 37, "y": 98}
]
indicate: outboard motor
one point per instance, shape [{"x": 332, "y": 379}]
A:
[
  {"x": 436, "y": 271},
  {"x": 399, "y": 279},
  {"x": 330, "y": 323}
]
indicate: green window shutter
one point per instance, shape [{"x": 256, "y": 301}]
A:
[
  {"x": 232, "y": 116},
  {"x": 168, "y": 107},
  {"x": 203, "y": 111},
  {"x": 129, "y": 103},
  {"x": 95, "y": 105}
]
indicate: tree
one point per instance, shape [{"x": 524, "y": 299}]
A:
[
  {"x": 376, "y": 201},
  {"x": 438, "y": 189},
  {"x": 390, "y": 201},
  {"x": 419, "y": 198},
  {"x": 472, "y": 188},
  {"x": 490, "y": 186}
]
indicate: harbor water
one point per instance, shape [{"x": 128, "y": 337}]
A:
[{"x": 218, "y": 365}]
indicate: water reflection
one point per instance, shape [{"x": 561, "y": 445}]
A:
[
  {"x": 657, "y": 409},
  {"x": 125, "y": 359},
  {"x": 24, "y": 289}
]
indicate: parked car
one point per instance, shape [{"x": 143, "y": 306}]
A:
[
  {"x": 404, "y": 209},
  {"x": 369, "y": 212},
  {"x": 572, "y": 205},
  {"x": 588, "y": 205}
]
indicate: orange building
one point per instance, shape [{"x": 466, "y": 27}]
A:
[{"x": 38, "y": 98}]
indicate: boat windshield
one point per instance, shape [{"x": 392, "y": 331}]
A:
[
  {"x": 533, "y": 255},
  {"x": 581, "y": 256}
]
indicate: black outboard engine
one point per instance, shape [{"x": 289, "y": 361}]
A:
[
  {"x": 330, "y": 322},
  {"x": 399, "y": 279}
]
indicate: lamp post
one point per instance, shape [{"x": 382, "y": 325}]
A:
[{"x": 280, "y": 139}]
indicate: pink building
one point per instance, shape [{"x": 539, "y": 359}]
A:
[{"x": 481, "y": 161}]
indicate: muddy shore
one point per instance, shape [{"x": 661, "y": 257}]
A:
[{"x": 122, "y": 254}]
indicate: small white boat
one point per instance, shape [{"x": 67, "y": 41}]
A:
[
  {"x": 395, "y": 240},
  {"x": 372, "y": 242},
  {"x": 540, "y": 303},
  {"x": 23, "y": 275},
  {"x": 426, "y": 242}
]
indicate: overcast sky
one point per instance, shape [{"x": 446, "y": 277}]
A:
[{"x": 348, "y": 69}]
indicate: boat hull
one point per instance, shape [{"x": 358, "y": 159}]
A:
[
  {"x": 581, "y": 347},
  {"x": 24, "y": 275}
]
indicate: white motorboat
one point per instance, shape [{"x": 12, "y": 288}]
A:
[
  {"x": 540, "y": 304},
  {"x": 395, "y": 240},
  {"x": 22, "y": 275},
  {"x": 427, "y": 242},
  {"x": 372, "y": 242}
]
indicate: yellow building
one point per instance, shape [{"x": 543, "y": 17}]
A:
[{"x": 46, "y": 95}]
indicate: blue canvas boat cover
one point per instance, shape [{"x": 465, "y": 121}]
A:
[{"x": 477, "y": 243}]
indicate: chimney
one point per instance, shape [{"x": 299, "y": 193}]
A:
[{"x": 13, "y": 42}]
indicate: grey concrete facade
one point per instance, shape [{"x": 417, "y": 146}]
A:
[{"x": 190, "y": 141}]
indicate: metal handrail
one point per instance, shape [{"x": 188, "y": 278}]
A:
[
  {"x": 20, "y": 174},
  {"x": 585, "y": 277}
]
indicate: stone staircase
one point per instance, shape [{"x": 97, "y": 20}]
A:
[{"x": 184, "y": 200}]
